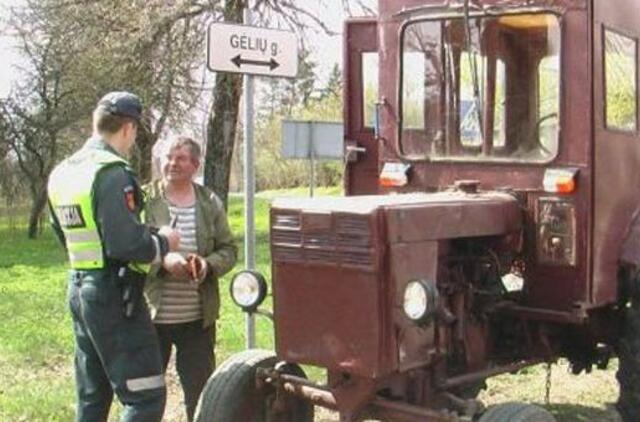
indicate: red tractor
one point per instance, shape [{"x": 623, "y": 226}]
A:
[{"x": 492, "y": 180}]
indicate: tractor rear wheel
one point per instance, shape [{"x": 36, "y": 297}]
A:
[
  {"x": 232, "y": 394},
  {"x": 628, "y": 374},
  {"x": 516, "y": 412}
]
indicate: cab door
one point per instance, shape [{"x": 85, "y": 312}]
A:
[
  {"x": 616, "y": 37},
  {"x": 360, "y": 95}
]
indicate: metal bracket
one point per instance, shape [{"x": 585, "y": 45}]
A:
[{"x": 351, "y": 151}]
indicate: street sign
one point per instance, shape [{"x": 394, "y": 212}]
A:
[
  {"x": 310, "y": 139},
  {"x": 252, "y": 50}
]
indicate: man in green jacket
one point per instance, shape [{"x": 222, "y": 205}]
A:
[
  {"x": 95, "y": 202},
  {"x": 183, "y": 294}
]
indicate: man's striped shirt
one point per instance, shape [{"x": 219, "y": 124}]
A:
[{"x": 180, "y": 298}]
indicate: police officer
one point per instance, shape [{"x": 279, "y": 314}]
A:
[{"x": 96, "y": 203}]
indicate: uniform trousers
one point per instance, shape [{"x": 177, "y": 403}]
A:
[{"x": 113, "y": 353}]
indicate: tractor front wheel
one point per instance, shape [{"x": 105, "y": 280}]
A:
[{"x": 232, "y": 394}]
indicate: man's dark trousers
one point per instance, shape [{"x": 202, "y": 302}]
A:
[
  {"x": 195, "y": 360},
  {"x": 113, "y": 353}
]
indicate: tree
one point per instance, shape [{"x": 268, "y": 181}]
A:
[
  {"x": 334, "y": 83},
  {"x": 36, "y": 113},
  {"x": 76, "y": 51},
  {"x": 283, "y": 95},
  {"x": 222, "y": 119}
]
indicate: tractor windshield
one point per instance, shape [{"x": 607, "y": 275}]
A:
[{"x": 484, "y": 88}]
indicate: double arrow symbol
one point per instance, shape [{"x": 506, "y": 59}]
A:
[{"x": 239, "y": 61}]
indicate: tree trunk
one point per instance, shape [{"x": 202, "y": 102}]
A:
[
  {"x": 141, "y": 154},
  {"x": 223, "y": 119},
  {"x": 39, "y": 201}
]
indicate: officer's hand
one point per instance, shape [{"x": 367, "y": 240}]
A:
[
  {"x": 172, "y": 236},
  {"x": 176, "y": 264}
]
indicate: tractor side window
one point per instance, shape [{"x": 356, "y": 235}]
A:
[
  {"x": 620, "y": 69},
  {"x": 369, "y": 87}
]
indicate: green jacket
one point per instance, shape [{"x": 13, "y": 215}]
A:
[{"x": 214, "y": 240}]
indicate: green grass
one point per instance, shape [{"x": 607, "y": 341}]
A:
[{"x": 36, "y": 340}]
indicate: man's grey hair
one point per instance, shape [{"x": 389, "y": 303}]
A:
[{"x": 185, "y": 141}]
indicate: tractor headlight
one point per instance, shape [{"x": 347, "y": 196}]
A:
[
  {"x": 248, "y": 290},
  {"x": 420, "y": 300}
]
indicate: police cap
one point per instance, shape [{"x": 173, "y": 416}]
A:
[{"x": 122, "y": 103}]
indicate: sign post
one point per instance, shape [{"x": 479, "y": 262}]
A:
[
  {"x": 251, "y": 51},
  {"x": 249, "y": 189}
]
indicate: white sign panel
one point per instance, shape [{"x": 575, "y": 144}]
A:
[
  {"x": 250, "y": 49},
  {"x": 312, "y": 139}
]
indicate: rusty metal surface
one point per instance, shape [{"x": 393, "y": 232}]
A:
[
  {"x": 415, "y": 345},
  {"x": 334, "y": 290},
  {"x": 361, "y": 175},
  {"x": 481, "y": 375},
  {"x": 333, "y": 321},
  {"x": 567, "y": 285},
  {"x": 616, "y": 158},
  {"x": 314, "y": 395},
  {"x": 450, "y": 215},
  {"x": 405, "y": 412}
]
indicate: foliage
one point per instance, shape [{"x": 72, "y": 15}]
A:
[
  {"x": 76, "y": 51},
  {"x": 40, "y": 107},
  {"x": 620, "y": 75},
  {"x": 272, "y": 170}
]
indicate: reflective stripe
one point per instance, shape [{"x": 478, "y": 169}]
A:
[
  {"x": 86, "y": 255},
  {"x": 146, "y": 383},
  {"x": 82, "y": 236}
]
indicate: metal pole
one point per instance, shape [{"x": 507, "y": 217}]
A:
[{"x": 249, "y": 188}]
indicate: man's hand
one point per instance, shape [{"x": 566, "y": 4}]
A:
[
  {"x": 172, "y": 236},
  {"x": 198, "y": 268},
  {"x": 176, "y": 265}
]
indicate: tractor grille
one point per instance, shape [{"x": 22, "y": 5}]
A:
[{"x": 323, "y": 239}]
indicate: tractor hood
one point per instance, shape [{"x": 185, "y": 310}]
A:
[
  {"x": 418, "y": 216},
  {"x": 340, "y": 263}
]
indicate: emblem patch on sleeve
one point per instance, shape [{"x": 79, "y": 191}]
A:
[
  {"x": 130, "y": 198},
  {"x": 70, "y": 216}
]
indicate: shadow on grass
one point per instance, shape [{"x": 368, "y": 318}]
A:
[{"x": 567, "y": 412}]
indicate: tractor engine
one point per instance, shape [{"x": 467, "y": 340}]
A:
[{"x": 372, "y": 286}]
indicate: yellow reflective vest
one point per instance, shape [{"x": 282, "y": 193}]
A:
[{"x": 70, "y": 192}]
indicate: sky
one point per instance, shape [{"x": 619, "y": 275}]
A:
[
  {"x": 9, "y": 55},
  {"x": 326, "y": 50}
]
